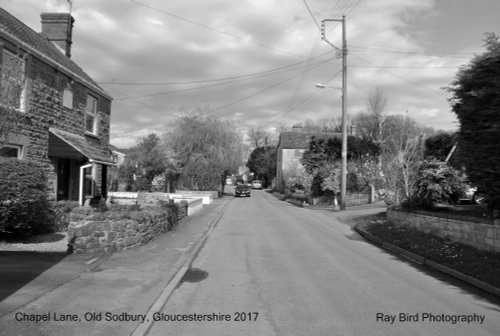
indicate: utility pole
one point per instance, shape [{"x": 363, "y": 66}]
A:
[{"x": 343, "y": 54}]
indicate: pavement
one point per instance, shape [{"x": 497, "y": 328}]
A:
[{"x": 104, "y": 294}]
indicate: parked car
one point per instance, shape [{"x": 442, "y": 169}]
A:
[
  {"x": 257, "y": 184},
  {"x": 471, "y": 194},
  {"x": 242, "y": 190}
]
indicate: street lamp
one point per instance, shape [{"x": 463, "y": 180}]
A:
[{"x": 324, "y": 86}]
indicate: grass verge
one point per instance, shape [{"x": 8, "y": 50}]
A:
[{"x": 482, "y": 265}]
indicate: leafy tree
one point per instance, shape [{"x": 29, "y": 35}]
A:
[
  {"x": 151, "y": 161},
  {"x": 126, "y": 173},
  {"x": 145, "y": 161},
  {"x": 322, "y": 155},
  {"x": 476, "y": 102},
  {"x": 322, "y": 151},
  {"x": 207, "y": 148},
  {"x": 436, "y": 182},
  {"x": 262, "y": 162}
]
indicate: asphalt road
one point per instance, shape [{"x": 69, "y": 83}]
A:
[{"x": 270, "y": 268}]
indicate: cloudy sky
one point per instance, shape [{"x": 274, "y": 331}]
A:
[{"x": 257, "y": 61}]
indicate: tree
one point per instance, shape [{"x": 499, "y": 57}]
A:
[
  {"x": 207, "y": 148},
  {"x": 322, "y": 156},
  {"x": 439, "y": 145},
  {"x": 262, "y": 162},
  {"x": 323, "y": 125},
  {"x": 402, "y": 153},
  {"x": 150, "y": 160},
  {"x": 372, "y": 125},
  {"x": 144, "y": 162},
  {"x": 476, "y": 102},
  {"x": 436, "y": 182},
  {"x": 258, "y": 137},
  {"x": 322, "y": 151}
]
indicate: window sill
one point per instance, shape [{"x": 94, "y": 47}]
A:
[{"x": 92, "y": 135}]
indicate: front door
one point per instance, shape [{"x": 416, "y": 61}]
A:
[{"x": 63, "y": 178}]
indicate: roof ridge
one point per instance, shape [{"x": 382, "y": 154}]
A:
[{"x": 40, "y": 44}]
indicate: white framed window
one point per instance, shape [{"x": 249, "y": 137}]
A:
[
  {"x": 91, "y": 115},
  {"x": 67, "y": 96},
  {"x": 13, "y": 81},
  {"x": 11, "y": 151}
]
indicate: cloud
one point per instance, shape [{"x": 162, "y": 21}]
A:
[{"x": 189, "y": 46}]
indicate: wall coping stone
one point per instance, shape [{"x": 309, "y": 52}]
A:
[{"x": 446, "y": 215}]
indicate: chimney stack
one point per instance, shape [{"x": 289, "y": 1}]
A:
[{"x": 58, "y": 28}]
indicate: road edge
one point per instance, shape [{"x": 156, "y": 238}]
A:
[{"x": 415, "y": 258}]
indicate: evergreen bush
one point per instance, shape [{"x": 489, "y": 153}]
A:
[
  {"x": 435, "y": 183},
  {"x": 24, "y": 206}
]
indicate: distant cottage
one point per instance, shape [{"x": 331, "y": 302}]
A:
[{"x": 63, "y": 115}]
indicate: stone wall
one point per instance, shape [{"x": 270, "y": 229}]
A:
[
  {"x": 480, "y": 233},
  {"x": 358, "y": 198},
  {"x": 361, "y": 198},
  {"x": 120, "y": 228}
]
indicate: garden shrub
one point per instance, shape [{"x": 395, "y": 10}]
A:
[
  {"x": 24, "y": 206},
  {"x": 62, "y": 210},
  {"x": 435, "y": 183}
]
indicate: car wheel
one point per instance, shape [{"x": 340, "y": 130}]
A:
[{"x": 478, "y": 198}]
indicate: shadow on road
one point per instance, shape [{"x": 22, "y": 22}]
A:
[{"x": 18, "y": 268}]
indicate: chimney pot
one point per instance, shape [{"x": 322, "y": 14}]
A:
[{"x": 58, "y": 28}]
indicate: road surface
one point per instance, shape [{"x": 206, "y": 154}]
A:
[{"x": 270, "y": 268}]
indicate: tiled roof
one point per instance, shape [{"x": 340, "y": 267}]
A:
[
  {"x": 88, "y": 146},
  {"x": 39, "y": 43},
  {"x": 300, "y": 140}
]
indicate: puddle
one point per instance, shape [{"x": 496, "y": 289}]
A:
[{"x": 194, "y": 275}]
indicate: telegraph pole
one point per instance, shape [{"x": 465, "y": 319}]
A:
[{"x": 343, "y": 54}]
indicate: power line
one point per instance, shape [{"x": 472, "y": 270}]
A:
[
  {"x": 269, "y": 87},
  {"x": 215, "y": 29},
  {"x": 400, "y": 77},
  {"x": 231, "y": 81},
  {"x": 401, "y": 66},
  {"x": 200, "y": 81},
  {"x": 372, "y": 50},
  {"x": 312, "y": 15},
  {"x": 309, "y": 96}
]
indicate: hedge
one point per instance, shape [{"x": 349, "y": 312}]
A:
[{"x": 24, "y": 205}]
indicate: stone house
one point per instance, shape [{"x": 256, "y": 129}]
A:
[
  {"x": 291, "y": 146},
  {"x": 62, "y": 116}
]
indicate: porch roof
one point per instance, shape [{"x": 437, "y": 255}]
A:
[{"x": 69, "y": 145}]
